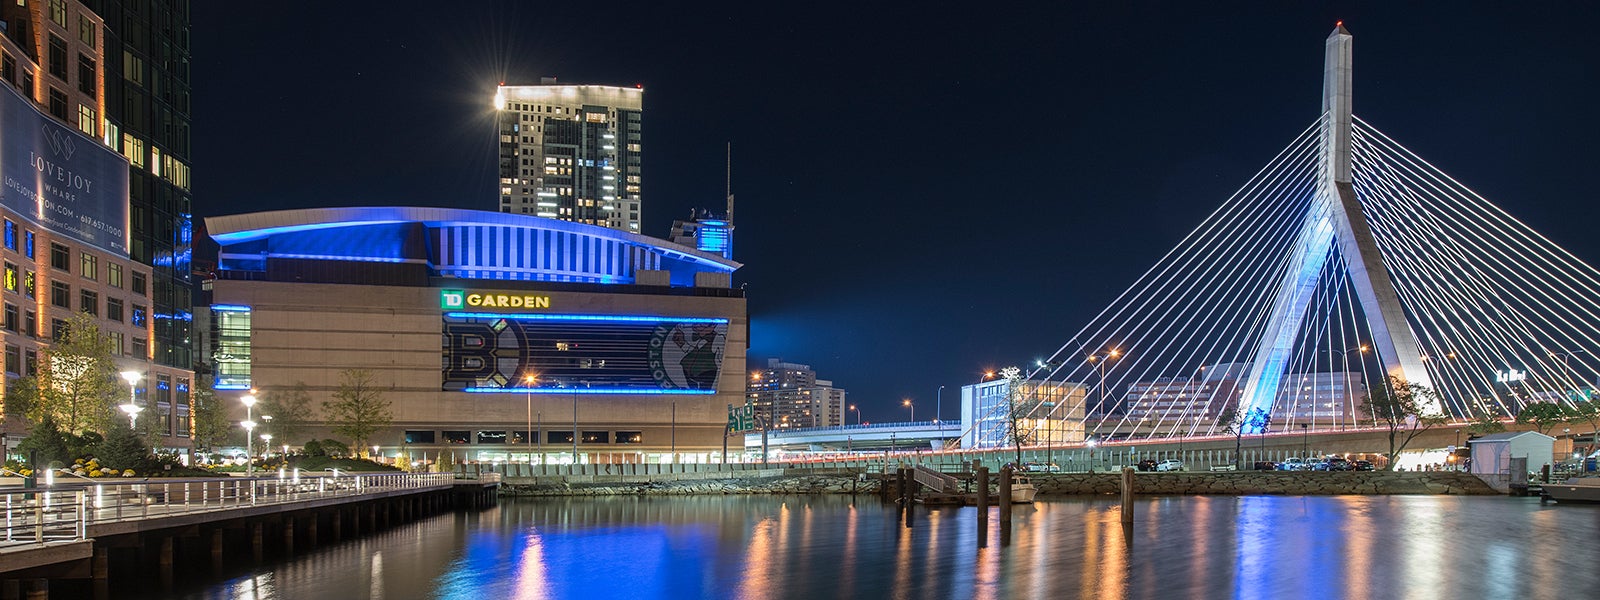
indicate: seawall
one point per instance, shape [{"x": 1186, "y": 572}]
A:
[{"x": 796, "y": 481}]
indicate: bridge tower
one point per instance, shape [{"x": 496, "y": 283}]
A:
[{"x": 1336, "y": 220}]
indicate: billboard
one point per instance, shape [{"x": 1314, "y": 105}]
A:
[
  {"x": 582, "y": 353},
  {"x": 60, "y": 179}
]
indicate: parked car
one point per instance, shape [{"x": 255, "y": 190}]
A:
[
  {"x": 1363, "y": 465},
  {"x": 1265, "y": 465},
  {"x": 1040, "y": 467},
  {"x": 1148, "y": 464},
  {"x": 1293, "y": 463},
  {"x": 1171, "y": 464},
  {"x": 1333, "y": 463},
  {"x": 1224, "y": 467}
]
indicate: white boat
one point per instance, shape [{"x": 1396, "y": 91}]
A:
[
  {"x": 1022, "y": 490},
  {"x": 1577, "y": 489}
]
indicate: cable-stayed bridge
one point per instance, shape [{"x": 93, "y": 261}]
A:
[{"x": 1347, "y": 260}]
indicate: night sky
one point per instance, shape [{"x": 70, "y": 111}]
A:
[{"x": 922, "y": 193}]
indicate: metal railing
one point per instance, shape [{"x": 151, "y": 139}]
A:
[
  {"x": 65, "y": 510},
  {"x": 42, "y": 516}
]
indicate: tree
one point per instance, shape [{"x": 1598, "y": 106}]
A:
[
  {"x": 122, "y": 449},
  {"x": 290, "y": 410},
  {"x": 1544, "y": 416},
  {"x": 1232, "y": 423},
  {"x": 358, "y": 408},
  {"x": 1397, "y": 406},
  {"x": 1016, "y": 412},
  {"x": 211, "y": 425},
  {"x": 22, "y": 398},
  {"x": 1486, "y": 424},
  {"x": 47, "y": 440},
  {"x": 1586, "y": 411},
  {"x": 77, "y": 382}
]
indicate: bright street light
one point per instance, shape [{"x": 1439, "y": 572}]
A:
[
  {"x": 132, "y": 408},
  {"x": 907, "y": 403}
]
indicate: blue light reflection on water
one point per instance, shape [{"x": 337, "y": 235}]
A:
[{"x": 1337, "y": 548}]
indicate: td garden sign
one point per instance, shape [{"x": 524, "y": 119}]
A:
[{"x": 462, "y": 299}]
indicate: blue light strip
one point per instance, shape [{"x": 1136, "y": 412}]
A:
[
  {"x": 230, "y": 308},
  {"x": 600, "y": 318},
  {"x": 587, "y": 391},
  {"x": 230, "y": 386}
]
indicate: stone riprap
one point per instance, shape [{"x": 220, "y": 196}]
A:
[{"x": 1064, "y": 484}]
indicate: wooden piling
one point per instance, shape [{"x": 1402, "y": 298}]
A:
[
  {"x": 288, "y": 536},
  {"x": 256, "y": 546},
  {"x": 216, "y": 551},
  {"x": 1004, "y": 498},
  {"x": 100, "y": 571},
  {"x": 983, "y": 507},
  {"x": 164, "y": 562},
  {"x": 1127, "y": 495}
]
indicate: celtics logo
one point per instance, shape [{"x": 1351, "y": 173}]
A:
[{"x": 687, "y": 355}]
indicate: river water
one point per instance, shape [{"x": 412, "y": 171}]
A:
[{"x": 1255, "y": 547}]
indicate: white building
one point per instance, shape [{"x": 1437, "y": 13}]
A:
[
  {"x": 1492, "y": 454},
  {"x": 1048, "y": 412}
]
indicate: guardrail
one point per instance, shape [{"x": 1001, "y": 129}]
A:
[{"x": 66, "y": 510}]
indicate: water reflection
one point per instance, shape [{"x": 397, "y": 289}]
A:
[{"x": 1337, "y": 548}]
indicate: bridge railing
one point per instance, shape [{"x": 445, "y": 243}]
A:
[{"x": 41, "y": 516}]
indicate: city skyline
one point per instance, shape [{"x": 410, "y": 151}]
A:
[{"x": 915, "y": 125}]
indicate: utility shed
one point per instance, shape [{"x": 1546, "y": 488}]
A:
[{"x": 1492, "y": 454}]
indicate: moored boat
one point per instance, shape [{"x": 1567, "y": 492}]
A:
[
  {"x": 1577, "y": 489},
  {"x": 1022, "y": 490}
]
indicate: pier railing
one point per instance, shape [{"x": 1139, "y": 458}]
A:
[
  {"x": 42, "y": 516},
  {"x": 65, "y": 510}
]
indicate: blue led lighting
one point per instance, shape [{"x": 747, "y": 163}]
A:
[
  {"x": 601, "y": 318},
  {"x": 585, "y": 391},
  {"x": 348, "y": 257},
  {"x": 230, "y": 386},
  {"x": 230, "y": 308}
]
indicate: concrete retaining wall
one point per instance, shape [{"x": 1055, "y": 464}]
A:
[{"x": 791, "y": 481}]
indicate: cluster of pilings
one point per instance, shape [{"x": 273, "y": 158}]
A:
[{"x": 907, "y": 492}]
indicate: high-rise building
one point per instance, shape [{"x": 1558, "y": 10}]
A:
[
  {"x": 68, "y": 246},
  {"x": 147, "y": 119},
  {"x": 571, "y": 152},
  {"x": 790, "y": 396}
]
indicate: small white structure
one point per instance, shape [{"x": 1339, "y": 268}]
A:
[{"x": 1492, "y": 454}]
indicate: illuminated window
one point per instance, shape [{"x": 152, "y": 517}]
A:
[
  {"x": 89, "y": 266},
  {"x": 29, "y": 287},
  {"x": 133, "y": 150},
  {"x": 27, "y": 245},
  {"x": 114, "y": 275},
  {"x": 88, "y": 123},
  {"x": 138, "y": 318},
  {"x": 58, "y": 12}
]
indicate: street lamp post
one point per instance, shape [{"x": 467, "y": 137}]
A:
[
  {"x": 132, "y": 408},
  {"x": 1100, "y": 361},
  {"x": 907, "y": 403},
  {"x": 249, "y": 425},
  {"x": 858, "y": 414},
  {"x": 1305, "y": 440},
  {"x": 266, "y": 445},
  {"x": 1344, "y": 361},
  {"x": 938, "y": 409}
]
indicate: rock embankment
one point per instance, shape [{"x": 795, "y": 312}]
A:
[{"x": 1061, "y": 484}]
